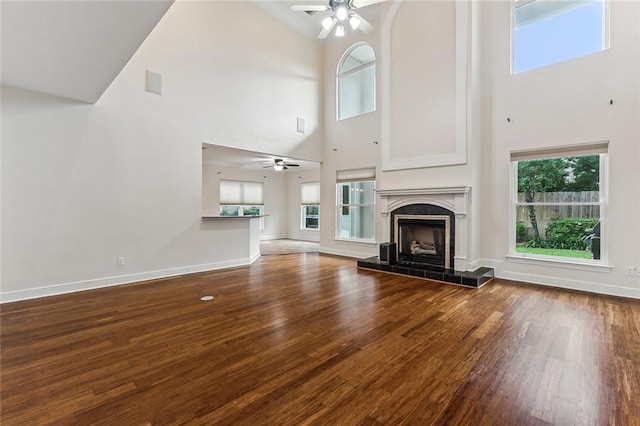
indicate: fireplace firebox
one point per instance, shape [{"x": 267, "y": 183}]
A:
[
  {"x": 424, "y": 234},
  {"x": 423, "y": 239}
]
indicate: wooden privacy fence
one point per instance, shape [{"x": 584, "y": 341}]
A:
[{"x": 544, "y": 214}]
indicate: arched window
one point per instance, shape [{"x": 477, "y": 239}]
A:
[{"x": 356, "y": 81}]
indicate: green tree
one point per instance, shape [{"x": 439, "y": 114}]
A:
[
  {"x": 570, "y": 174},
  {"x": 585, "y": 173},
  {"x": 538, "y": 176}
]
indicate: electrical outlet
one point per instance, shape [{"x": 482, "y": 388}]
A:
[
  {"x": 631, "y": 270},
  {"x": 120, "y": 261}
]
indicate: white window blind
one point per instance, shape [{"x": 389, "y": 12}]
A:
[
  {"x": 356, "y": 175},
  {"x": 241, "y": 193},
  {"x": 310, "y": 193},
  {"x": 561, "y": 151}
]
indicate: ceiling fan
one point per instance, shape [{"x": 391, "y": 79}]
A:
[
  {"x": 279, "y": 164},
  {"x": 341, "y": 13}
]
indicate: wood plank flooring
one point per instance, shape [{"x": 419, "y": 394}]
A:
[{"x": 309, "y": 339}]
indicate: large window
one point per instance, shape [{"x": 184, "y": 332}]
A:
[
  {"x": 239, "y": 198},
  {"x": 550, "y": 31},
  {"x": 560, "y": 203},
  {"x": 310, "y": 205},
  {"x": 356, "y": 205},
  {"x": 356, "y": 82}
]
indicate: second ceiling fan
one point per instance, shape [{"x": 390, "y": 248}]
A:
[
  {"x": 342, "y": 12},
  {"x": 280, "y": 164}
]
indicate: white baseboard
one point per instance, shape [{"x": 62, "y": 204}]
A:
[
  {"x": 552, "y": 281},
  {"x": 52, "y": 290},
  {"x": 345, "y": 253},
  {"x": 272, "y": 237},
  {"x": 253, "y": 258},
  {"x": 572, "y": 284}
]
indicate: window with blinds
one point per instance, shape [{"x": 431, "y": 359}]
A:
[
  {"x": 239, "y": 198},
  {"x": 310, "y": 205},
  {"x": 560, "y": 202}
]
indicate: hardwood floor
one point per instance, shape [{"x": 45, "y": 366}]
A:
[
  {"x": 287, "y": 246},
  {"x": 305, "y": 338}
]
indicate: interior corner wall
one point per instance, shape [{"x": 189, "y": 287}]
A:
[{"x": 85, "y": 184}]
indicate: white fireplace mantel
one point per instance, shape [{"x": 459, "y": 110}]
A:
[
  {"x": 453, "y": 198},
  {"x": 442, "y": 190}
]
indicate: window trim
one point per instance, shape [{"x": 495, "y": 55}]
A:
[
  {"x": 603, "y": 203},
  {"x": 303, "y": 217},
  {"x": 306, "y": 201},
  {"x": 360, "y": 67}
]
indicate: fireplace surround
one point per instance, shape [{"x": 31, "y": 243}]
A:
[{"x": 430, "y": 229}]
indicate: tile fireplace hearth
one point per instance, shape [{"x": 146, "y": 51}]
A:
[
  {"x": 429, "y": 228},
  {"x": 475, "y": 278}
]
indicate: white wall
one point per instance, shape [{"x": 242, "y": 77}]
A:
[
  {"x": 275, "y": 222},
  {"x": 562, "y": 104},
  {"x": 294, "y": 202},
  {"x": 85, "y": 184}
]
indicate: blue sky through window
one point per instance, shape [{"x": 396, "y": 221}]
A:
[{"x": 574, "y": 31}]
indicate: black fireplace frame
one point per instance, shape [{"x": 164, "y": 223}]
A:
[{"x": 426, "y": 210}]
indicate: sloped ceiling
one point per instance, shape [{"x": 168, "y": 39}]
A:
[
  {"x": 73, "y": 49},
  {"x": 243, "y": 159}
]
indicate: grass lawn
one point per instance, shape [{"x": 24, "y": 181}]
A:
[{"x": 580, "y": 254}]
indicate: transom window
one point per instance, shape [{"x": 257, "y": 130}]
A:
[
  {"x": 549, "y": 31},
  {"x": 356, "y": 82},
  {"x": 560, "y": 203}
]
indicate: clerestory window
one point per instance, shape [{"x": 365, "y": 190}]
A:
[
  {"x": 546, "y": 32},
  {"x": 356, "y": 82}
]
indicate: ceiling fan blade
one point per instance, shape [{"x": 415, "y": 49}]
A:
[
  {"x": 325, "y": 32},
  {"x": 364, "y": 3},
  {"x": 309, "y": 8},
  {"x": 292, "y": 165},
  {"x": 365, "y": 26}
]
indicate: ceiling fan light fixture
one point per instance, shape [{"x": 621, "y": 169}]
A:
[
  {"x": 354, "y": 22},
  {"x": 327, "y": 23},
  {"x": 342, "y": 13},
  {"x": 278, "y": 167},
  {"x": 340, "y": 31}
]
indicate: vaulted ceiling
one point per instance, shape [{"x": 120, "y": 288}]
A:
[{"x": 73, "y": 49}]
